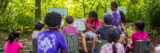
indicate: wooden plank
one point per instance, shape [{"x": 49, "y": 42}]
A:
[
  {"x": 72, "y": 43},
  {"x": 99, "y": 44},
  {"x": 142, "y": 46}
]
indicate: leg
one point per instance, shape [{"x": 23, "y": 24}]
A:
[
  {"x": 84, "y": 37},
  {"x": 95, "y": 37}
]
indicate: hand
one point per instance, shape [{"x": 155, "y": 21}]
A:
[
  {"x": 115, "y": 24},
  {"x": 129, "y": 45},
  {"x": 87, "y": 25}
]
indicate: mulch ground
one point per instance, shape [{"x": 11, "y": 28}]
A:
[{"x": 26, "y": 40}]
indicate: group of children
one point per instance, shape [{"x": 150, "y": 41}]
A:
[{"x": 50, "y": 41}]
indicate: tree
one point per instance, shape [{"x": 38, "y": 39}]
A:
[{"x": 37, "y": 8}]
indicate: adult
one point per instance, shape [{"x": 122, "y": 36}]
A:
[{"x": 92, "y": 23}]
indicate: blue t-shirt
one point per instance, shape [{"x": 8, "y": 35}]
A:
[{"x": 50, "y": 41}]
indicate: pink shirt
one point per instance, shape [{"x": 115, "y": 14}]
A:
[
  {"x": 70, "y": 30},
  {"x": 91, "y": 24},
  {"x": 12, "y": 48},
  {"x": 140, "y": 35},
  {"x": 107, "y": 48}
]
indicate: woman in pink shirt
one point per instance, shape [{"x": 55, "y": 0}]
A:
[
  {"x": 139, "y": 35},
  {"x": 13, "y": 46},
  {"x": 92, "y": 23}
]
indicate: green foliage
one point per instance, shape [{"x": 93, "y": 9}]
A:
[
  {"x": 154, "y": 12},
  {"x": 20, "y": 14},
  {"x": 153, "y": 33}
]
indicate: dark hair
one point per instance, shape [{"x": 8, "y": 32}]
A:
[
  {"x": 115, "y": 4},
  {"x": 39, "y": 25},
  {"x": 113, "y": 36},
  {"x": 140, "y": 25},
  {"x": 108, "y": 18},
  {"x": 12, "y": 36},
  {"x": 69, "y": 19},
  {"x": 123, "y": 18},
  {"x": 93, "y": 14},
  {"x": 53, "y": 20}
]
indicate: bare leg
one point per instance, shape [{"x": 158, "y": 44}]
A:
[
  {"x": 84, "y": 37},
  {"x": 95, "y": 37}
]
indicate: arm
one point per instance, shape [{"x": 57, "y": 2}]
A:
[
  {"x": 93, "y": 30},
  {"x": 21, "y": 50},
  {"x": 98, "y": 25},
  {"x": 122, "y": 38},
  {"x": 64, "y": 51},
  {"x": 116, "y": 23}
]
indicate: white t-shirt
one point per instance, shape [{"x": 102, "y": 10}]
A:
[
  {"x": 107, "y": 48},
  {"x": 35, "y": 34}
]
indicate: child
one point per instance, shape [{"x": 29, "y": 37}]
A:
[
  {"x": 113, "y": 46},
  {"x": 70, "y": 29},
  {"x": 101, "y": 32},
  {"x": 13, "y": 46},
  {"x": 39, "y": 27},
  {"x": 92, "y": 23},
  {"x": 139, "y": 35},
  {"x": 50, "y": 41},
  {"x": 116, "y": 15}
]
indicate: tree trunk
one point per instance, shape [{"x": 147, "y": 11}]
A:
[
  {"x": 38, "y": 8},
  {"x": 84, "y": 9}
]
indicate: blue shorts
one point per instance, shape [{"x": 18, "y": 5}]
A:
[{"x": 90, "y": 34}]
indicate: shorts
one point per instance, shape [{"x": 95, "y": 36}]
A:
[
  {"x": 90, "y": 34},
  {"x": 34, "y": 43}
]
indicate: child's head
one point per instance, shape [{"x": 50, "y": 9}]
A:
[
  {"x": 114, "y": 5},
  {"x": 13, "y": 36},
  {"x": 112, "y": 35},
  {"x": 93, "y": 16},
  {"x": 53, "y": 20},
  {"x": 69, "y": 19},
  {"x": 39, "y": 26},
  {"x": 108, "y": 18},
  {"x": 139, "y": 26}
]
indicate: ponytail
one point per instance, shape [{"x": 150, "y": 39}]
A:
[
  {"x": 12, "y": 36},
  {"x": 114, "y": 48},
  {"x": 113, "y": 37}
]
